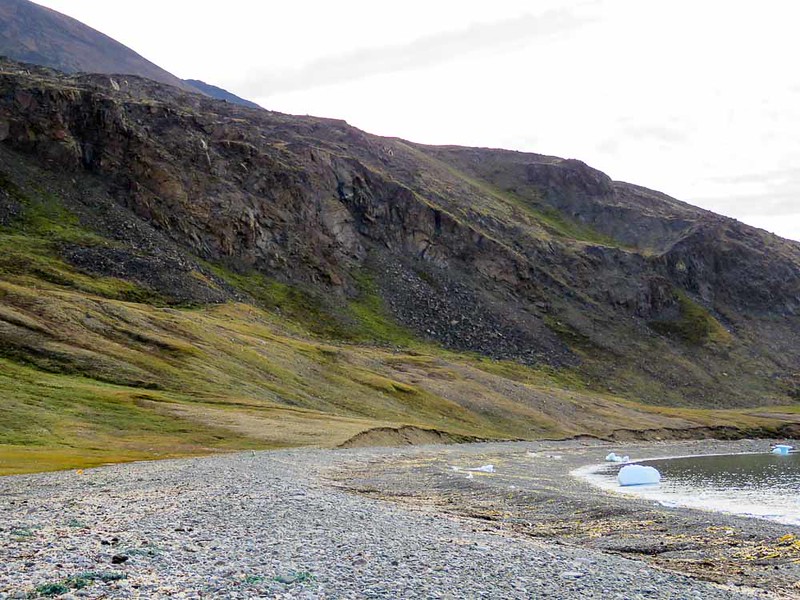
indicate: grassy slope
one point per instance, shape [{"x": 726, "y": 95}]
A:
[
  {"x": 534, "y": 213},
  {"x": 95, "y": 369},
  {"x": 232, "y": 376}
]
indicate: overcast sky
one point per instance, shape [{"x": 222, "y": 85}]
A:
[{"x": 697, "y": 99}]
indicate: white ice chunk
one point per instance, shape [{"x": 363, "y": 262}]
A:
[
  {"x": 781, "y": 449},
  {"x": 638, "y": 475},
  {"x": 617, "y": 458}
]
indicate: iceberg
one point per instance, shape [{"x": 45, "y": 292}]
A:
[
  {"x": 616, "y": 458},
  {"x": 638, "y": 475},
  {"x": 781, "y": 449}
]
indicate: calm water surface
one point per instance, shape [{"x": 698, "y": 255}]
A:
[{"x": 762, "y": 485}]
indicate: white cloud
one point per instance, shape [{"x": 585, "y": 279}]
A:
[{"x": 474, "y": 40}]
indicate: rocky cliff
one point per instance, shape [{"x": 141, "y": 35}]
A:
[{"x": 517, "y": 256}]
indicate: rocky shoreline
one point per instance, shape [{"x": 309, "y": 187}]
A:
[
  {"x": 530, "y": 494},
  {"x": 317, "y": 524}
]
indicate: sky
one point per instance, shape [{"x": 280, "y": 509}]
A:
[{"x": 700, "y": 100}]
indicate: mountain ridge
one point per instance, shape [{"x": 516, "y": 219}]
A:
[
  {"x": 39, "y": 35},
  {"x": 219, "y": 93}
]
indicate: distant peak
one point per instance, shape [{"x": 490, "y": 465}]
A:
[{"x": 219, "y": 93}]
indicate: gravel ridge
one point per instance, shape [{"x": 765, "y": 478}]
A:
[{"x": 273, "y": 525}]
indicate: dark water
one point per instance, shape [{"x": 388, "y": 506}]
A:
[{"x": 763, "y": 485}]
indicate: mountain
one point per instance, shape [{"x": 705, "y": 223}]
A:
[
  {"x": 219, "y": 93},
  {"x": 39, "y": 35},
  {"x": 179, "y": 274}
]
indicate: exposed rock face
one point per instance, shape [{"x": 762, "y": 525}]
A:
[{"x": 512, "y": 255}]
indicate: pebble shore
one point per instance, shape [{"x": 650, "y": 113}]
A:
[{"x": 274, "y": 525}]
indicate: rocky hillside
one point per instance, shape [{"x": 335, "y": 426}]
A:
[
  {"x": 515, "y": 256},
  {"x": 191, "y": 254}
]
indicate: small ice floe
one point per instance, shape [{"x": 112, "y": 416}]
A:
[
  {"x": 470, "y": 476},
  {"x": 638, "y": 475},
  {"x": 782, "y": 449},
  {"x": 454, "y": 468},
  {"x": 483, "y": 469},
  {"x": 616, "y": 458}
]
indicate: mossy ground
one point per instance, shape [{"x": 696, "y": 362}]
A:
[
  {"x": 695, "y": 325},
  {"x": 133, "y": 382}
]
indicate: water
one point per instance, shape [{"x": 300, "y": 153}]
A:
[{"x": 759, "y": 485}]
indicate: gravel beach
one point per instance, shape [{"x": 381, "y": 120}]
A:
[{"x": 317, "y": 524}]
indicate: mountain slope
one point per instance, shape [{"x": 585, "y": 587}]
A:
[
  {"x": 35, "y": 34},
  {"x": 97, "y": 368},
  {"x": 219, "y": 93},
  {"x": 255, "y": 278}
]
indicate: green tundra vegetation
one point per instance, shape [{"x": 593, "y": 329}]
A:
[{"x": 95, "y": 369}]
